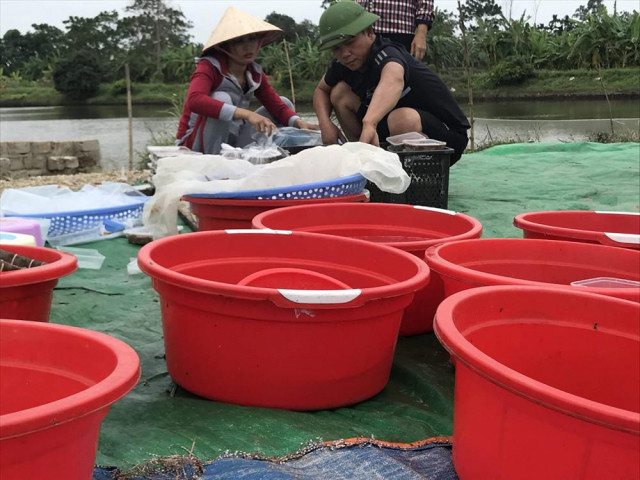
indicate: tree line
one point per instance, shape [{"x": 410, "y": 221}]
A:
[{"x": 153, "y": 39}]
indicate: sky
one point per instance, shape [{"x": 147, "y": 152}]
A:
[{"x": 205, "y": 14}]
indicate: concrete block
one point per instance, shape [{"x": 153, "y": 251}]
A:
[
  {"x": 40, "y": 147},
  {"x": 16, "y": 163},
  {"x": 89, "y": 146},
  {"x": 4, "y": 149},
  {"x": 61, "y": 149},
  {"x": 70, "y": 162},
  {"x": 19, "y": 147},
  {"x": 15, "y": 174},
  {"x": 36, "y": 161},
  {"x": 55, "y": 163},
  {"x": 88, "y": 161},
  {"x": 26, "y": 159},
  {"x": 36, "y": 172},
  {"x": 5, "y": 167}
]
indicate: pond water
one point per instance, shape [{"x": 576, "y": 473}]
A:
[{"x": 539, "y": 120}]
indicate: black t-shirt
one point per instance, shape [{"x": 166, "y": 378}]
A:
[{"x": 423, "y": 89}]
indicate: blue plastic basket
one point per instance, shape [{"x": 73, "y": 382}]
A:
[
  {"x": 340, "y": 187},
  {"x": 63, "y": 223}
]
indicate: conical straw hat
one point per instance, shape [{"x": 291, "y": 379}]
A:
[{"x": 235, "y": 23}]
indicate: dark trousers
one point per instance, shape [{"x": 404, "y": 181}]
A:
[{"x": 403, "y": 39}]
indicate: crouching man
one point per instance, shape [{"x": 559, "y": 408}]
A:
[{"x": 377, "y": 89}]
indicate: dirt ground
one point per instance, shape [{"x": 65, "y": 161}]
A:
[{"x": 78, "y": 180}]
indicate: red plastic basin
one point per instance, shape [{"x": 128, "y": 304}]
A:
[
  {"x": 547, "y": 383},
  {"x": 222, "y": 214},
  {"x": 56, "y": 384},
  {"x": 233, "y": 334},
  {"x": 406, "y": 227},
  {"x": 541, "y": 263},
  {"x": 617, "y": 229},
  {"x": 26, "y": 294}
]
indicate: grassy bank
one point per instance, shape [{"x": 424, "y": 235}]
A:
[
  {"x": 550, "y": 84},
  {"x": 542, "y": 84},
  {"x": 31, "y": 94}
]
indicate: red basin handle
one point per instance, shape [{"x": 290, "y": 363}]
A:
[
  {"x": 434, "y": 209},
  {"x": 320, "y": 297},
  {"x": 624, "y": 238}
]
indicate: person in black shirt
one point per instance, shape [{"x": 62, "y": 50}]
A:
[{"x": 377, "y": 89}]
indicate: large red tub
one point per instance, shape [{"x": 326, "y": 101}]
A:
[
  {"x": 409, "y": 228},
  {"x": 229, "y": 213},
  {"x": 541, "y": 263},
  {"x": 617, "y": 229},
  {"x": 290, "y": 320},
  {"x": 56, "y": 385},
  {"x": 26, "y": 294},
  {"x": 547, "y": 383}
]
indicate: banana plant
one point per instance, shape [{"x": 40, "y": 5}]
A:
[{"x": 516, "y": 37}]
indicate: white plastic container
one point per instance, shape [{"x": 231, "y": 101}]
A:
[
  {"x": 23, "y": 226},
  {"x": 403, "y": 137},
  {"x": 414, "y": 141},
  {"x": 88, "y": 258},
  {"x": 9, "y": 238}
]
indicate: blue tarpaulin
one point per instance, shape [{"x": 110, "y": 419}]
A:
[{"x": 363, "y": 460}]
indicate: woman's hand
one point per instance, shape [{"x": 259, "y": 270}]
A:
[
  {"x": 300, "y": 123},
  {"x": 260, "y": 123}
]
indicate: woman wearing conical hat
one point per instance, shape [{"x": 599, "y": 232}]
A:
[{"x": 226, "y": 79}]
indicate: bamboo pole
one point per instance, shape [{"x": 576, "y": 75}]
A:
[
  {"x": 468, "y": 67},
  {"x": 606, "y": 96},
  {"x": 293, "y": 92},
  {"x": 129, "y": 114}
]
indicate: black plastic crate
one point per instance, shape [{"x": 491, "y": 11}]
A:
[{"x": 429, "y": 172}]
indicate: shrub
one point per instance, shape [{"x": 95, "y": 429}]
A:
[
  {"x": 513, "y": 71},
  {"x": 34, "y": 68},
  {"x": 119, "y": 87},
  {"x": 77, "y": 75}
]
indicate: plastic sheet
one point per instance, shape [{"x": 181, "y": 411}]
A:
[
  {"x": 48, "y": 199},
  {"x": 180, "y": 176},
  {"x": 297, "y": 137},
  {"x": 255, "y": 154}
]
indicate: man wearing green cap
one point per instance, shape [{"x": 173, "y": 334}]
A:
[{"x": 377, "y": 89}]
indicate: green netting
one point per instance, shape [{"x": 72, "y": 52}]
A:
[
  {"x": 493, "y": 186},
  {"x": 496, "y": 184}
]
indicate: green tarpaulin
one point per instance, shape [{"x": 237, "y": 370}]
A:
[{"x": 156, "y": 419}]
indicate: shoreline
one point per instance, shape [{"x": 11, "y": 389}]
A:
[
  {"x": 496, "y": 98},
  {"x": 579, "y": 84}
]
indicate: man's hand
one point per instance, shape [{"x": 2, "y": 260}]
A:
[
  {"x": 419, "y": 43},
  {"x": 369, "y": 134},
  {"x": 384, "y": 100},
  {"x": 331, "y": 134}
]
